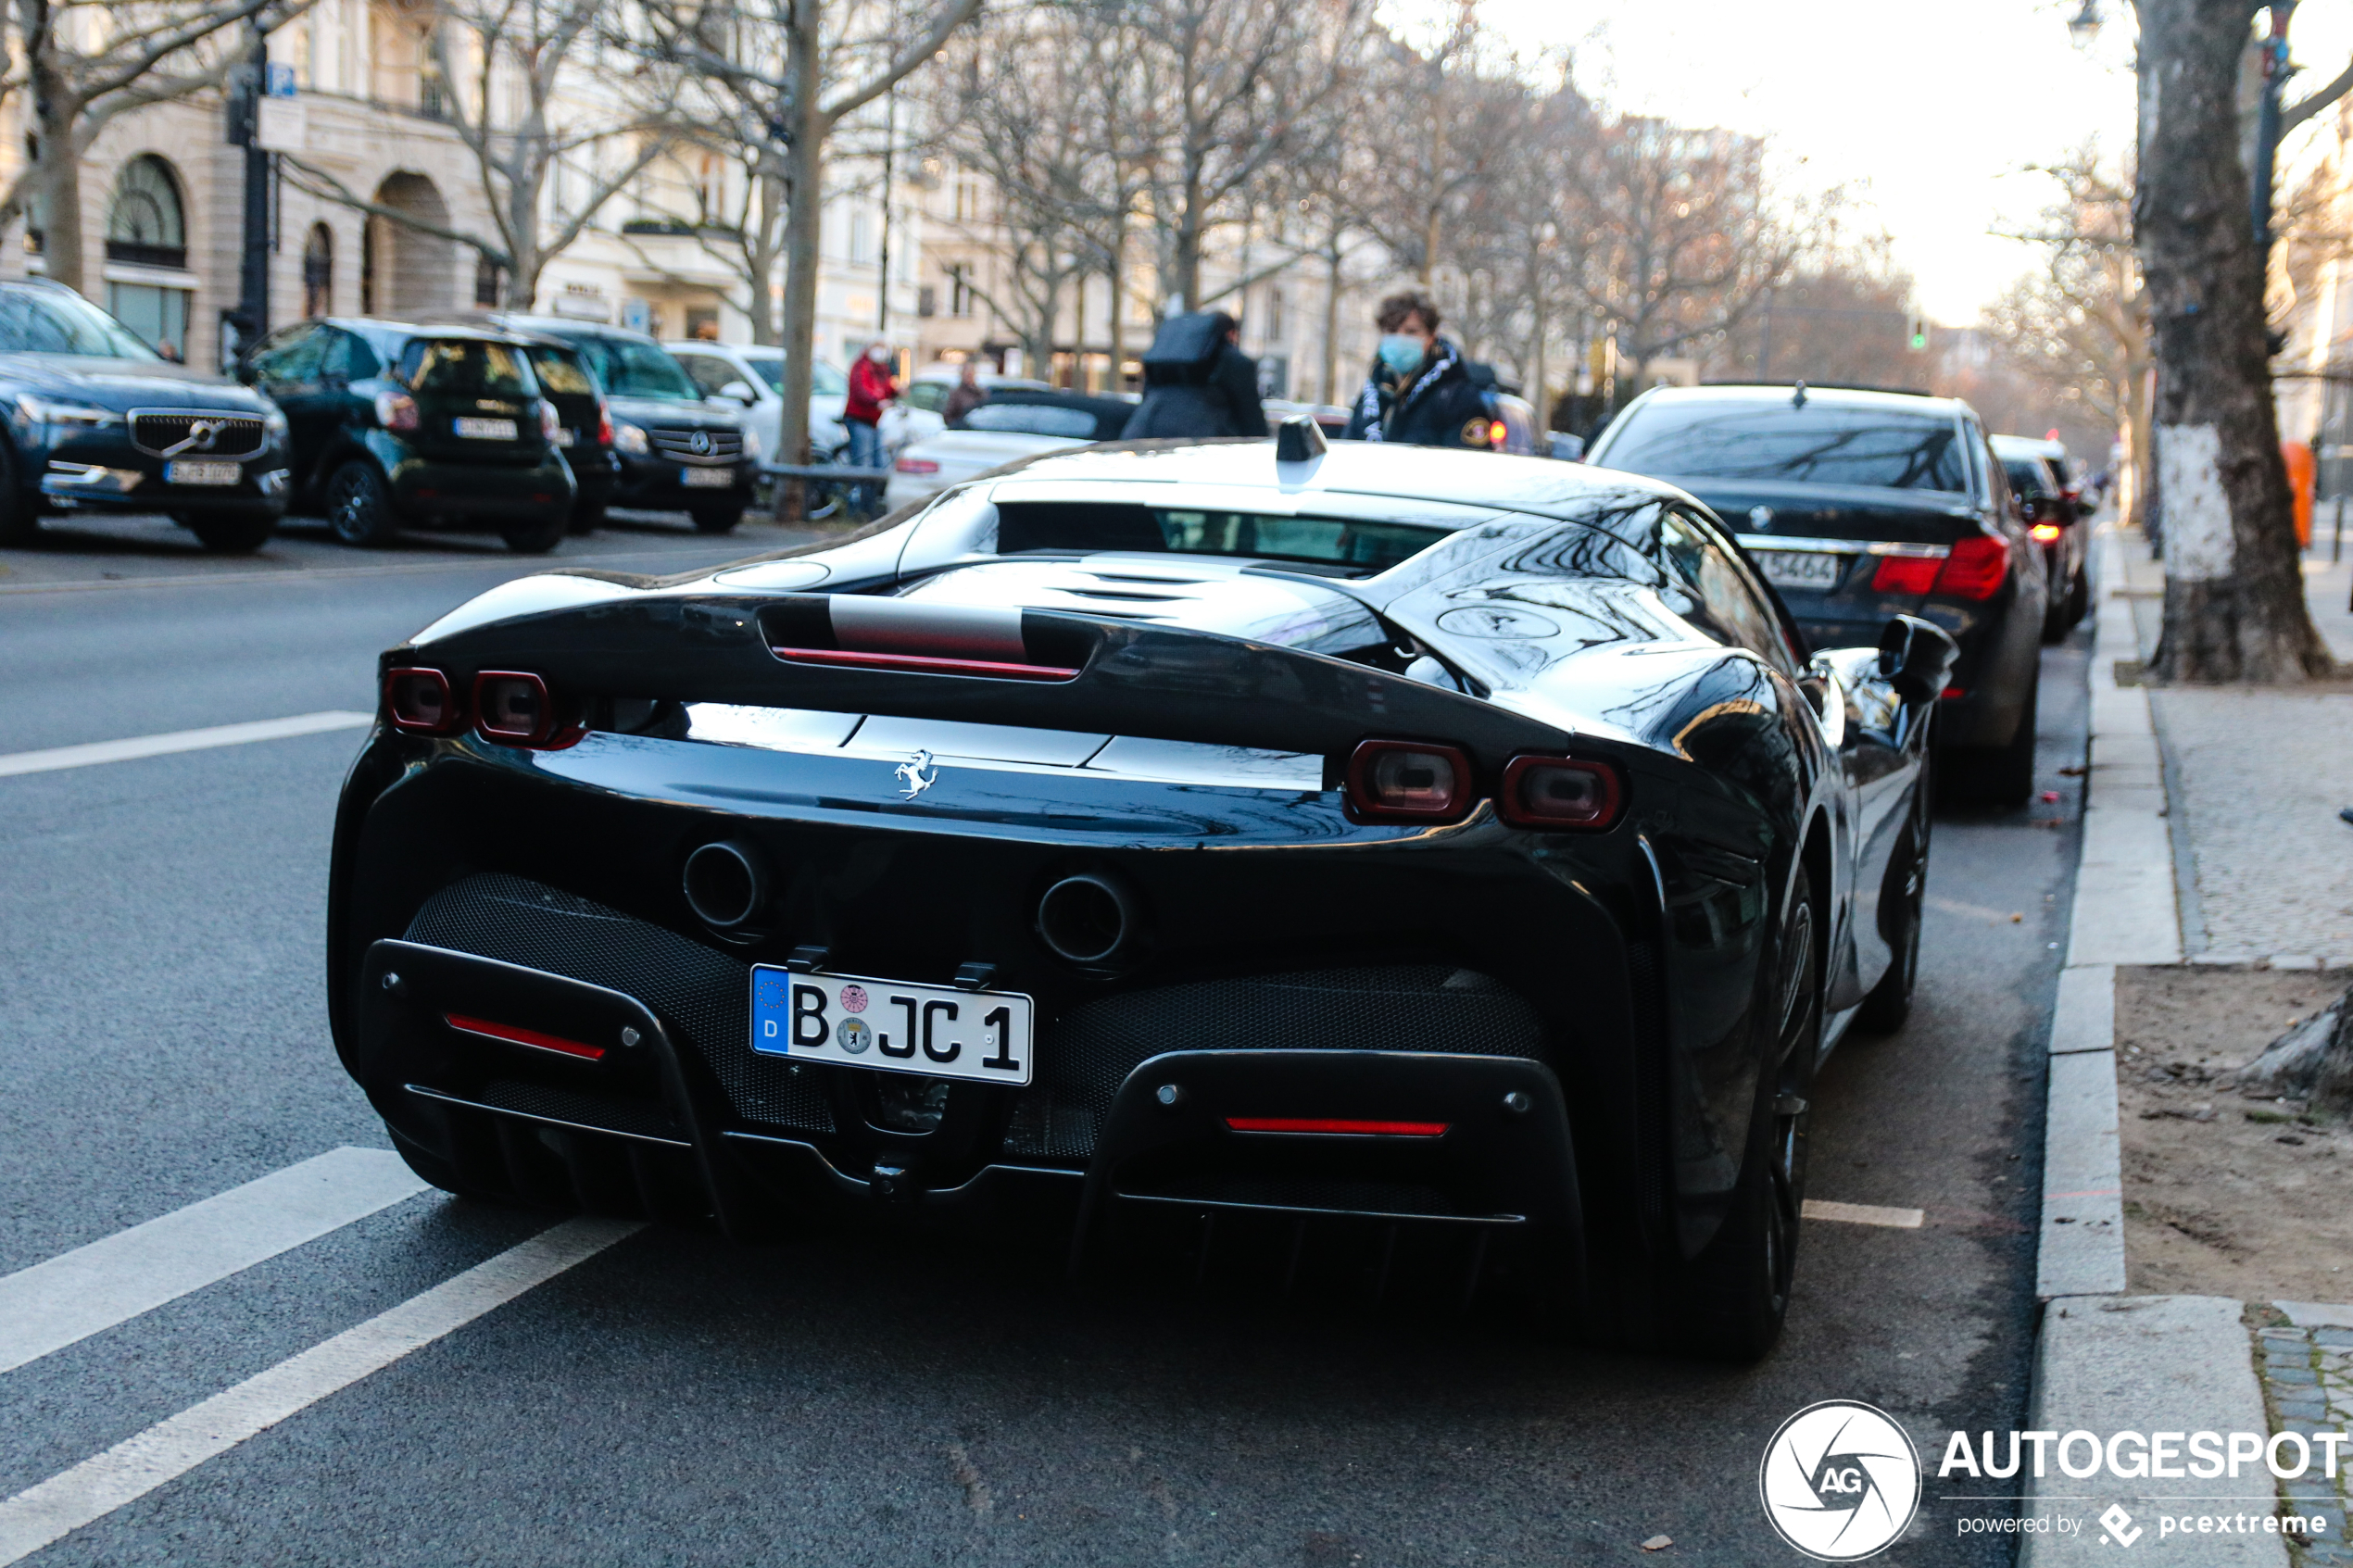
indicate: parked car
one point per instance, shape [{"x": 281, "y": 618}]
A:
[
  {"x": 721, "y": 369},
  {"x": 1446, "y": 861},
  {"x": 98, "y": 421},
  {"x": 1329, "y": 418},
  {"x": 915, "y": 416},
  {"x": 676, "y": 450},
  {"x": 1016, "y": 421},
  {"x": 584, "y": 433},
  {"x": 396, "y": 425},
  {"x": 1858, "y": 506},
  {"x": 2054, "y": 519}
]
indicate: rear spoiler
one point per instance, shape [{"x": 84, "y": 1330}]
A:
[{"x": 1041, "y": 669}]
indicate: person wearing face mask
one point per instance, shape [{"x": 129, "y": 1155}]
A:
[
  {"x": 1198, "y": 382},
  {"x": 870, "y": 386},
  {"x": 1421, "y": 391}
]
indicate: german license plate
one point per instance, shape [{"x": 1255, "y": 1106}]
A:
[
  {"x": 1800, "y": 568},
  {"x": 849, "y": 1021},
  {"x": 567, "y": 438},
  {"x": 183, "y": 470},
  {"x": 471, "y": 429},
  {"x": 706, "y": 479}
]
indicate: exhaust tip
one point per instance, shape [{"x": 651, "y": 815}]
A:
[
  {"x": 1086, "y": 919},
  {"x": 726, "y": 885}
]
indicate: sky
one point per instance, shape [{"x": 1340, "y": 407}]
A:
[{"x": 1928, "y": 113}]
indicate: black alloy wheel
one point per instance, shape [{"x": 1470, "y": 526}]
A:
[
  {"x": 719, "y": 518},
  {"x": 19, "y": 519},
  {"x": 1902, "y": 904},
  {"x": 231, "y": 535},
  {"x": 537, "y": 538},
  {"x": 360, "y": 506}
]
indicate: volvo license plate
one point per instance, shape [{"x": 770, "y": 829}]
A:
[
  {"x": 183, "y": 471},
  {"x": 706, "y": 479},
  {"x": 850, "y": 1020},
  {"x": 1800, "y": 569},
  {"x": 471, "y": 429}
]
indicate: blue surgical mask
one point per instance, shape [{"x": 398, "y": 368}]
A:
[{"x": 1401, "y": 352}]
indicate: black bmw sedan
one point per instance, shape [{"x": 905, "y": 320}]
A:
[
  {"x": 1856, "y": 505},
  {"x": 96, "y": 421}
]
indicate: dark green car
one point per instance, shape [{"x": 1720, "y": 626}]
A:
[{"x": 397, "y": 426}]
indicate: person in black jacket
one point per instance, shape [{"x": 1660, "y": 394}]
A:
[
  {"x": 1422, "y": 391},
  {"x": 1198, "y": 382}
]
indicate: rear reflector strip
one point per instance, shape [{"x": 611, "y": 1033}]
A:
[
  {"x": 515, "y": 1037},
  {"x": 924, "y": 664},
  {"x": 1327, "y": 1124}
]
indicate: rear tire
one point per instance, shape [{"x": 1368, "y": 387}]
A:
[
  {"x": 2078, "y": 597},
  {"x": 1903, "y": 902},
  {"x": 588, "y": 517},
  {"x": 2000, "y": 775},
  {"x": 20, "y": 516},
  {"x": 720, "y": 518},
  {"x": 537, "y": 538},
  {"x": 231, "y": 535},
  {"x": 359, "y": 507}
]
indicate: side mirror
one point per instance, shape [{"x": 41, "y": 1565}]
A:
[
  {"x": 1915, "y": 657},
  {"x": 739, "y": 391},
  {"x": 244, "y": 372}
]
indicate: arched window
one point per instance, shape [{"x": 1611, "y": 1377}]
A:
[
  {"x": 319, "y": 271},
  {"x": 145, "y": 225}
]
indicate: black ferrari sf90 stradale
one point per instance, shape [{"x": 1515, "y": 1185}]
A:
[{"x": 1434, "y": 844}]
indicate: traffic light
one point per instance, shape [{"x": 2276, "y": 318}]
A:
[{"x": 1916, "y": 331}]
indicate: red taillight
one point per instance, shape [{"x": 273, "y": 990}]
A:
[
  {"x": 1949, "y": 693},
  {"x": 1401, "y": 781},
  {"x": 1904, "y": 574},
  {"x": 2045, "y": 532},
  {"x": 604, "y": 425},
  {"x": 421, "y": 702},
  {"x": 515, "y": 1037},
  {"x": 396, "y": 411},
  {"x": 916, "y": 465},
  {"x": 1975, "y": 569},
  {"x": 1496, "y": 433},
  {"x": 513, "y": 706},
  {"x": 1555, "y": 793},
  {"x": 1335, "y": 1125}
]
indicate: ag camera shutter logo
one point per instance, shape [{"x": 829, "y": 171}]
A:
[{"x": 1840, "y": 1481}]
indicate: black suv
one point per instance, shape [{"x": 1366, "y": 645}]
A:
[
  {"x": 677, "y": 451},
  {"x": 97, "y": 421},
  {"x": 439, "y": 427},
  {"x": 1858, "y": 506}
]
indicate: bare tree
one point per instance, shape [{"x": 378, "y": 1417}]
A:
[
  {"x": 1447, "y": 123},
  {"x": 80, "y": 63},
  {"x": 1839, "y": 317}
]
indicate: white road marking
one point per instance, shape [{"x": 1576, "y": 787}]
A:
[
  {"x": 80, "y": 1293},
  {"x": 64, "y": 1503},
  {"x": 1864, "y": 1214},
  {"x": 178, "y": 740}
]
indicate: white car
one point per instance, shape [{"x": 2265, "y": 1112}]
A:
[
  {"x": 914, "y": 416},
  {"x": 1017, "y": 421},
  {"x": 717, "y": 366}
]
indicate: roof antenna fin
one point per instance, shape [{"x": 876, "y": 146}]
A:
[
  {"x": 1797, "y": 398},
  {"x": 1299, "y": 439}
]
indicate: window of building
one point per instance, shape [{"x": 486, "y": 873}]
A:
[
  {"x": 959, "y": 288},
  {"x": 319, "y": 271},
  {"x": 489, "y": 277},
  {"x": 146, "y": 228}
]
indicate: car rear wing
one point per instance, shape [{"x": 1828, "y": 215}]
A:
[{"x": 1002, "y": 665}]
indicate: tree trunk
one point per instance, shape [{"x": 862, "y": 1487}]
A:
[
  {"x": 1331, "y": 324},
  {"x": 2233, "y": 591},
  {"x": 1119, "y": 305},
  {"x": 760, "y": 258},
  {"x": 58, "y": 180},
  {"x": 805, "y": 163}
]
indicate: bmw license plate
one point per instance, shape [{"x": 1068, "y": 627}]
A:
[
  {"x": 847, "y": 1021},
  {"x": 706, "y": 479},
  {"x": 183, "y": 471},
  {"x": 1800, "y": 569},
  {"x": 471, "y": 429}
]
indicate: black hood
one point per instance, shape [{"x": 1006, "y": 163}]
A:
[{"x": 119, "y": 385}]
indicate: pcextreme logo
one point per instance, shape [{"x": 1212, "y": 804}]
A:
[{"x": 1840, "y": 1481}]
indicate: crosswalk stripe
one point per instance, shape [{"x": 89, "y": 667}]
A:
[
  {"x": 1864, "y": 1214},
  {"x": 80, "y": 1293},
  {"x": 136, "y": 747},
  {"x": 64, "y": 1503}
]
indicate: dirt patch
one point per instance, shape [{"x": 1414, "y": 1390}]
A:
[{"x": 2225, "y": 1196}]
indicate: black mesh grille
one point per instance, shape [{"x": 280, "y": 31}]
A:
[
  {"x": 165, "y": 433},
  {"x": 718, "y": 446},
  {"x": 703, "y": 996},
  {"x": 1087, "y": 1054},
  {"x": 577, "y": 1109}
]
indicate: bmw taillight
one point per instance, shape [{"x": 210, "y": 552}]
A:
[
  {"x": 422, "y": 702},
  {"x": 2045, "y": 532},
  {"x": 1396, "y": 780},
  {"x": 396, "y": 411},
  {"x": 1558, "y": 792},
  {"x": 514, "y": 707},
  {"x": 1975, "y": 569},
  {"x": 1904, "y": 574}
]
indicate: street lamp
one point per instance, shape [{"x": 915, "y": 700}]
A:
[{"x": 2085, "y": 25}]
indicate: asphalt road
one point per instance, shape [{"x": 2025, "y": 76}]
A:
[{"x": 844, "y": 1399}]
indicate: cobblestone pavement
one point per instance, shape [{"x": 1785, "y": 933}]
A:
[
  {"x": 2308, "y": 1383},
  {"x": 2256, "y": 779}
]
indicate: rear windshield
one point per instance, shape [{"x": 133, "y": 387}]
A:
[
  {"x": 2026, "y": 478},
  {"x": 629, "y": 368},
  {"x": 1059, "y": 526},
  {"x": 466, "y": 367},
  {"x": 1816, "y": 443},
  {"x": 561, "y": 373},
  {"x": 1031, "y": 419}
]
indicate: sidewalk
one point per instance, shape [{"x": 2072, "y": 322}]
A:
[{"x": 2211, "y": 839}]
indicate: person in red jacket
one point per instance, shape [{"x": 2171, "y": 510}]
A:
[{"x": 870, "y": 386}]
